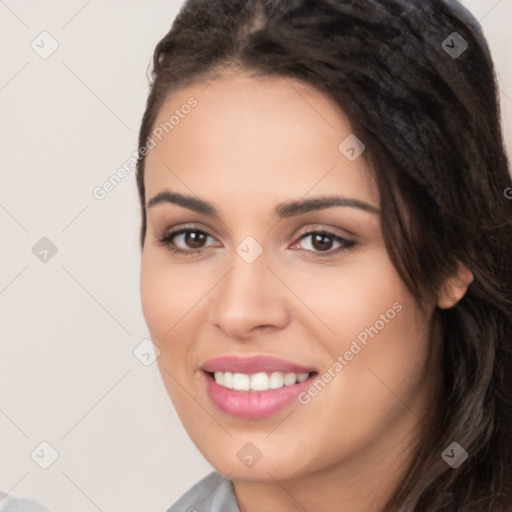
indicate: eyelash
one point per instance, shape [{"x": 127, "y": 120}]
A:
[{"x": 167, "y": 238}]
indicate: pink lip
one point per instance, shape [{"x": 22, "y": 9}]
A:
[
  {"x": 255, "y": 364},
  {"x": 253, "y": 404}
]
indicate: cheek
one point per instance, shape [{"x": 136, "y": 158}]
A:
[
  {"x": 382, "y": 336},
  {"x": 156, "y": 291},
  {"x": 167, "y": 294},
  {"x": 352, "y": 296}
]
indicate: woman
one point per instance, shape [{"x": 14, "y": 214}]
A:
[{"x": 326, "y": 242}]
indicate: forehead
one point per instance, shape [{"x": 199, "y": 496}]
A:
[{"x": 254, "y": 138}]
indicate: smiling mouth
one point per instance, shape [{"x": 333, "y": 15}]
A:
[{"x": 260, "y": 381}]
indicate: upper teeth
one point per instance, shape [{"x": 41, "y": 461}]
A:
[{"x": 258, "y": 381}]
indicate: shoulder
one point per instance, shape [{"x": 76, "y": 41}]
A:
[
  {"x": 10, "y": 503},
  {"x": 213, "y": 493}
]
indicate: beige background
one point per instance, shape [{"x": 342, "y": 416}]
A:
[{"x": 69, "y": 326}]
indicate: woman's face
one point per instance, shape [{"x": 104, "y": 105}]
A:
[{"x": 258, "y": 295}]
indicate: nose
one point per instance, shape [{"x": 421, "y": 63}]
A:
[{"x": 249, "y": 300}]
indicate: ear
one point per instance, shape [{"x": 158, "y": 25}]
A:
[{"x": 454, "y": 288}]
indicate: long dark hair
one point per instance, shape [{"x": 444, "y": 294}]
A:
[{"x": 417, "y": 81}]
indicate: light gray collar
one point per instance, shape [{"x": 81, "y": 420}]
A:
[{"x": 213, "y": 493}]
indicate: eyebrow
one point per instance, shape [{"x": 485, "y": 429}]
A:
[
  {"x": 282, "y": 210},
  {"x": 192, "y": 203}
]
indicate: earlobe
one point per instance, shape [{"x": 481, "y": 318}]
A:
[{"x": 454, "y": 287}]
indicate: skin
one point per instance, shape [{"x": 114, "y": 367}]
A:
[{"x": 249, "y": 145}]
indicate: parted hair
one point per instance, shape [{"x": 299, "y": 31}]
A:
[{"x": 430, "y": 121}]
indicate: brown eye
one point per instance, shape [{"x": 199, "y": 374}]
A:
[
  {"x": 195, "y": 239},
  {"x": 185, "y": 241},
  {"x": 319, "y": 242},
  {"x": 322, "y": 242}
]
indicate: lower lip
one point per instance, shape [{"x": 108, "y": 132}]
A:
[{"x": 253, "y": 404}]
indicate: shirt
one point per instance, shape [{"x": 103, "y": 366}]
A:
[
  {"x": 213, "y": 493},
  {"x": 10, "y": 503}
]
